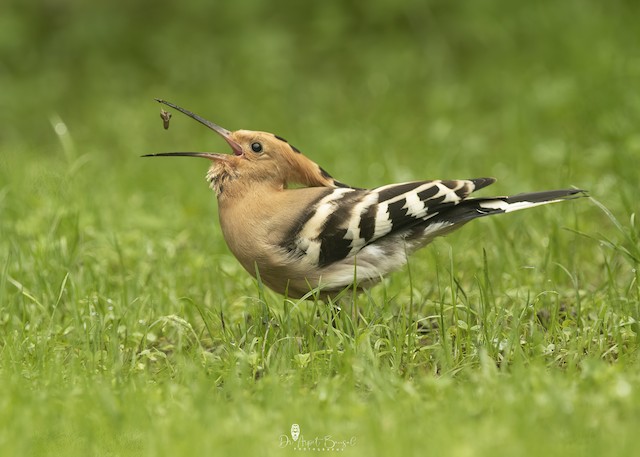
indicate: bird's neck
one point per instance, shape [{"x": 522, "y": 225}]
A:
[
  {"x": 231, "y": 184},
  {"x": 231, "y": 179},
  {"x": 221, "y": 176}
]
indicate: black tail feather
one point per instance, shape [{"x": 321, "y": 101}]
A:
[
  {"x": 547, "y": 195},
  {"x": 473, "y": 208}
]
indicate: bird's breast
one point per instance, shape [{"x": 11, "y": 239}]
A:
[{"x": 256, "y": 226}]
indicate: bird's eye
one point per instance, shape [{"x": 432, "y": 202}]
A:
[{"x": 256, "y": 147}]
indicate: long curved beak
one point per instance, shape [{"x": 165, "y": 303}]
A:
[{"x": 224, "y": 133}]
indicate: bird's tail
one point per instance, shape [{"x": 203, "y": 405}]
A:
[{"x": 472, "y": 208}]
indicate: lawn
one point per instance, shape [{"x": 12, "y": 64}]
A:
[{"x": 128, "y": 328}]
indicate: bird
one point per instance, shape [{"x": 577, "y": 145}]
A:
[{"x": 305, "y": 234}]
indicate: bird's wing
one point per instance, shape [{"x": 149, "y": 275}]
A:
[{"x": 346, "y": 220}]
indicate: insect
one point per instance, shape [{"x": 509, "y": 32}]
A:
[
  {"x": 325, "y": 234},
  {"x": 166, "y": 117}
]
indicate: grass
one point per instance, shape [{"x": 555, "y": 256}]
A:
[{"x": 126, "y": 326}]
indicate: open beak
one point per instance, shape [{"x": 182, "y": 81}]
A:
[{"x": 224, "y": 133}]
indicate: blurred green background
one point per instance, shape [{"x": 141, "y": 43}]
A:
[
  {"x": 538, "y": 95},
  {"x": 106, "y": 256},
  {"x": 542, "y": 93}
]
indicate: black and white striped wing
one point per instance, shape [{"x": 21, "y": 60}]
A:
[{"x": 346, "y": 220}]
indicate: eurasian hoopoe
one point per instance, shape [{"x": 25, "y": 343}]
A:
[{"x": 328, "y": 234}]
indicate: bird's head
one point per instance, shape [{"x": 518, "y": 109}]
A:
[{"x": 257, "y": 157}]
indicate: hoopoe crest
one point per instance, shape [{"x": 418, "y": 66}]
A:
[{"x": 325, "y": 234}]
